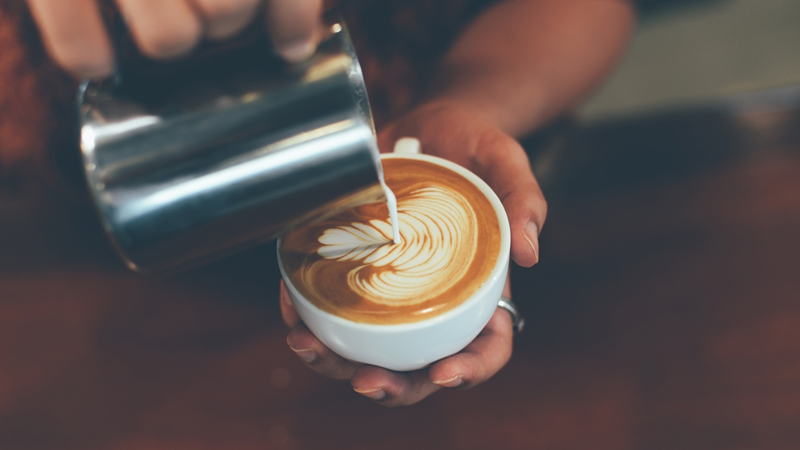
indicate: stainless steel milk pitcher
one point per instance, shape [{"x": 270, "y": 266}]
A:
[{"x": 192, "y": 165}]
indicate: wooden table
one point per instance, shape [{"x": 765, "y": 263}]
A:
[{"x": 665, "y": 314}]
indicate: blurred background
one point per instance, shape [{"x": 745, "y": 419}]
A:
[
  {"x": 664, "y": 314},
  {"x": 691, "y": 52}
]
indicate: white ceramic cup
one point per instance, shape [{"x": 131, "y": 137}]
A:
[{"x": 411, "y": 346}]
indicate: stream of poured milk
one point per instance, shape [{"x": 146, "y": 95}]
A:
[{"x": 391, "y": 202}]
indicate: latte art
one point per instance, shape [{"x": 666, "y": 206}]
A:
[
  {"x": 449, "y": 244},
  {"x": 437, "y": 241}
]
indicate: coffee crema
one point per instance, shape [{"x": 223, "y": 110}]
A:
[{"x": 348, "y": 266}]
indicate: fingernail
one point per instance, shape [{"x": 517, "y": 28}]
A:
[
  {"x": 297, "y": 51},
  {"x": 451, "y": 382},
  {"x": 374, "y": 394},
  {"x": 307, "y": 354},
  {"x": 532, "y": 235}
]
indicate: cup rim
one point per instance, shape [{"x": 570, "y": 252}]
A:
[{"x": 499, "y": 267}]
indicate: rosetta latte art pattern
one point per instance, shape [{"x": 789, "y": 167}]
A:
[
  {"x": 348, "y": 266},
  {"x": 438, "y": 241}
]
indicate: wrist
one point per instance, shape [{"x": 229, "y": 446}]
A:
[
  {"x": 451, "y": 105},
  {"x": 514, "y": 120}
]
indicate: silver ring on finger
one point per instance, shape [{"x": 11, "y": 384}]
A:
[{"x": 517, "y": 321}]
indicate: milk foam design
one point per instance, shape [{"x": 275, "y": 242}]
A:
[{"x": 438, "y": 240}]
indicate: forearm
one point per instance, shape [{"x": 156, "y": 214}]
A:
[{"x": 523, "y": 62}]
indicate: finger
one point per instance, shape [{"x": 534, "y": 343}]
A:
[
  {"x": 481, "y": 359},
  {"x": 507, "y": 170},
  {"x": 288, "y": 312},
  {"x": 162, "y": 28},
  {"x": 507, "y": 287},
  {"x": 294, "y": 26},
  {"x": 224, "y": 18},
  {"x": 393, "y": 388},
  {"x": 74, "y": 36},
  {"x": 317, "y": 356}
]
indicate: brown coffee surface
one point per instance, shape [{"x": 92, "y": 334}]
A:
[{"x": 450, "y": 241}]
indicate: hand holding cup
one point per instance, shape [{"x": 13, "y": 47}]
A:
[{"x": 456, "y": 133}]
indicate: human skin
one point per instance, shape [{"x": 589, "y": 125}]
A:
[
  {"x": 75, "y": 37},
  {"x": 518, "y": 66}
]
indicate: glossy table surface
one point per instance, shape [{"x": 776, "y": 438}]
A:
[{"x": 665, "y": 314}]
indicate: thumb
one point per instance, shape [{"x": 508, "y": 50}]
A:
[{"x": 508, "y": 173}]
